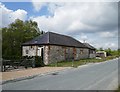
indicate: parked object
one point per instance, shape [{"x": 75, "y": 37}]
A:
[
  {"x": 101, "y": 54},
  {"x": 53, "y": 47}
]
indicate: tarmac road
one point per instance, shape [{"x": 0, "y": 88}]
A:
[{"x": 98, "y": 76}]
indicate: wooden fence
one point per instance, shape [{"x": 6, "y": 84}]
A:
[{"x": 16, "y": 64}]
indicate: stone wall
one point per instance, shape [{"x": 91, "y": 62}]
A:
[
  {"x": 29, "y": 50},
  {"x": 92, "y": 54},
  {"x": 81, "y": 53},
  {"x": 54, "y": 53},
  {"x": 46, "y": 55},
  {"x": 69, "y": 55}
]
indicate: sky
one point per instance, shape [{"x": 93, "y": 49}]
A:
[{"x": 93, "y": 22}]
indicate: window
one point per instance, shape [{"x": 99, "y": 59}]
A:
[
  {"x": 92, "y": 51},
  {"x": 27, "y": 51},
  {"x": 81, "y": 51},
  {"x": 31, "y": 47}
]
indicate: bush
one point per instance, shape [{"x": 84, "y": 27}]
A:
[{"x": 38, "y": 61}]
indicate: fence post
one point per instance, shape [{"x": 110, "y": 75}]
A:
[
  {"x": 1, "y": 63},
  {"x": 4, "y": 66},
  {"x": 33, "y": 62},
  {"x": 72, "y": 62},
  {"x": 26, "y": 60}
]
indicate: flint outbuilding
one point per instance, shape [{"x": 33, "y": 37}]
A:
[{"x": 54, "y": 47}]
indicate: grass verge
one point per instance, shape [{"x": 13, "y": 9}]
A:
[
  {"x": 118, "y": 90},
  {"x": 79, "y": 62}
]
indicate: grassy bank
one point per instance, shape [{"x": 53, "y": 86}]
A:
[
  {"x": 80, "y": 62},
  {"x": 118, "y": 90}
]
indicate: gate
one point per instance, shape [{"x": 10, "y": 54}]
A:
[{"x": 17, "y": 64}]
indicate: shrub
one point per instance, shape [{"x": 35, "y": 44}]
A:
[{"x": 38, "y": 61}]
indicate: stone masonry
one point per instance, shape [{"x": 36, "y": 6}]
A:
[{"x": 54, "y": 53}]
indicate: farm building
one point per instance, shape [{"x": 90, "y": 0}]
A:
[
  {"x": 54, "y": 47},
  {"x": 92, "y": 50}
]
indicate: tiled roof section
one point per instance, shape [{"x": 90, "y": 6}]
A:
[
  {"x": 55, "y": 39},
  {"x": 42, "y": 39},
  {"x": 89, "y": 46},
  {"x": 59, "y": 39}
]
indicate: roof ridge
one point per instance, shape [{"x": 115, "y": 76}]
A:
[
  {"x": 89, "y": 45},
  {"x": 58, "y": 34}
]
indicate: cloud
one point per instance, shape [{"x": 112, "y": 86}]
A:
[
  {"x": 108, "y": 34},
  {"x": 52, "y": 6},
  {"x": 111, "y": 45},
  {"x": 84, "y": 17},
  {"x": 95, "y": 22},
  {"x": 8, "y": 16},
  {"x": 81, "y": 37},
  {"x": 90, "y": 21},
  {"x": 38, "y": 5}
]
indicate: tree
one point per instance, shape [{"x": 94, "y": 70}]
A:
[
  {"x": 108, "y": 51},
  {"x": 101, "y": 49},
  {"x": 17, "y": 33}
]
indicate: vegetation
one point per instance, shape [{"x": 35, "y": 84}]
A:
[
  {"x": 118, "y": 90},
  {"x": 110, "y": 52},
  {"x": 80, "y": 62},
  {"x": 113, "y": 52},
  {"x": 15, "y": 34},
  {"x": 38, "y": 61}
]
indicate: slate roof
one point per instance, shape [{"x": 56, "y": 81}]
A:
[
  {"x": 89, "y": 46},
  {"x": 55, "y": 39}
]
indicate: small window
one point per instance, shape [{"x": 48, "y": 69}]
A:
[
  {"x": 31, "y": 47},
  {"x": 27, "y": 51},
  {"x": 81, "y": 51}
]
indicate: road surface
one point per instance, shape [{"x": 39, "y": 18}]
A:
[{"x": 98, "y": 76}]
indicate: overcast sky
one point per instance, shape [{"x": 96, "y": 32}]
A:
[{"x": 94, "y": 22}]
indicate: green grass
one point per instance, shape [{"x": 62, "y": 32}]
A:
[
  {"x": 78, "y": 63},
  {"x": 118, "y": 90}
]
